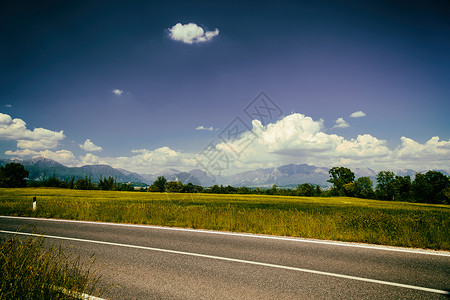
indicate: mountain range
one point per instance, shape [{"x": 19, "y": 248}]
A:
[{"x": 287, "y": 175}]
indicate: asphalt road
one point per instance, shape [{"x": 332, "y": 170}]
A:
[{"x": 147, "y": 262}]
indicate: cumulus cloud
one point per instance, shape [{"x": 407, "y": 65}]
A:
[
  {"x": 298, "y": 135},
  {"x": 201, "y": 127},
  {"x": 117, "y": 92},
  {"x": 89, "y": 146},
  {"x": 432, "y": 149},
  {"x": 90, "y": 159},
  {"x": 341, "y": 123},
  {"x": 358, "y": 114},
  {"x": 37, "y": 145},
  {"x": 299, "y": 139},
  {"x": 36, "y": 139},
  {"x": 191, "y": 33},
  {"x": 65, "y": 157}
]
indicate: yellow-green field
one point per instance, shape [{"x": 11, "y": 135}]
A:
[{"x": 339, "y": 218}]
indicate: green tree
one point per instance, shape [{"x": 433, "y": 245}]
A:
[
  {"x": 243, "y": 190},
  {"x": 124, "y": 187},
  {"x": 273, "y": 190},
  {"x": 431, "y": 187},
  {"x": 385, "y": 185},
  {"x": 402, "y": 188},
  {"x": 340, "y": 176},
  {"x": 188, "y": 188},
  {"x": 318, "y": 191},
  {"x": 174, "y": 187},
  {"x": 305, "y": 189},
  {"x": 13, "y": 175},
  {"x": 364, "y": 188},
  {"x": 349, "y": 189},
  {"x": 71, "y": 182},
  {"x": 84, "y": 183},
  {"x": 53, "y": 182},
  {"x": 159, "y": 185},
  {"x": 215, "y": 189},
  {"x": 107, "y": 184}
]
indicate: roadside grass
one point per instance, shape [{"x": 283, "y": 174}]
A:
[
  {"x": 337, "y": 218},
  {"x": 27, "y": 271}
]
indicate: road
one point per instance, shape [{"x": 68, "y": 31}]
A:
[{"x": 150, "y": 262}]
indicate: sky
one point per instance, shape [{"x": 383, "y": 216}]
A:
[{"x": 226, "y": 86}]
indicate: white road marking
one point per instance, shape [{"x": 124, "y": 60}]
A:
[
  {"x": 77, "y": 294},
  {"x": 249, "y": 235},
  {"x": 419, "y": 288}
]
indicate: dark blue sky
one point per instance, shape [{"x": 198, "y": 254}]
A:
[{"x": 60, "y": 61}]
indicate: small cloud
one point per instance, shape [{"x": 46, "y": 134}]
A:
[
  {"x": 191, "y": 33},
  {"x": 117, "y": 92},
  {"x": 201, "y": 127},
  {"x": 341, "y": 123},
  {"x": 89, "y": 146},
  {"x": 358, "y": 114},
  {"x": 8, "y": 105}
]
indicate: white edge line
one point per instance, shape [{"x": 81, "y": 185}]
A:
[
  {"x": 74, "y": 293},
  {"x": 419, "y": 288},
  {"x": 292, "y": 239}
]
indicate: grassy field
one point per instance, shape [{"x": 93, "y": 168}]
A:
[
  {"x": 340, "y": 218},
  {"x": 27, "y": 271}
]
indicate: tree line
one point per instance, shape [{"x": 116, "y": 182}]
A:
[{"x": 430, "y": 187}]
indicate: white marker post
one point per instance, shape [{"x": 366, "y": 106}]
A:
[{"x": 34, "y": 203}]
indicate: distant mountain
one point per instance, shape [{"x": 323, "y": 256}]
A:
[
  {"x": 282, "y": 176},
  {"x": 196, "y": 176},
  {"x": 364, "y": 172},
  {"x": 42, "y": 168},
  {"x": 204, "y": 178},
  {"x": 99, "y": 171}
]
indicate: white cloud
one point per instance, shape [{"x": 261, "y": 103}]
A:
[
  {"x": 90, "y": 159},
  {"x": 89, "y": 146},
  {"x": 65, "y": 157},
  {"x": 294, "y": 139},
  {"x": 299, "y": 139},
  {"x": 300, "y": 136},
  {"x": 37, "y": 145},
  {"x": 201, "y": 127},
  {"x": 8, "y": 105},
  {"x": 358, "y": 114},
  {"x": 191, "y": 33},
  {"x": 117, "y": 92},
  {"x": 341, "y": 123},
  {"x": 149, "y": 161},
  {"x": 433, "y": 149},
  {"x": 36, "y": 139}
]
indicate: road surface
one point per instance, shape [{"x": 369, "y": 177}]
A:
[{"x": 150, "y": 262}]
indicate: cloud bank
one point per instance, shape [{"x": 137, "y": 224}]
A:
[
  {"x": 191, "y": 33},
  {"x": 294, "y": 139}
]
